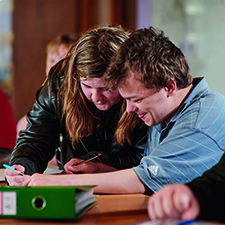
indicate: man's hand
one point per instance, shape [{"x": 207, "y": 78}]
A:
[{"x": 174, "y": 201}]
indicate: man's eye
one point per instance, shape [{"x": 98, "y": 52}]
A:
[{"x": 137, "y": 100}]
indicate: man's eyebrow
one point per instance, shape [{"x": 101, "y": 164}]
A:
[{"x": 130, "y": 97}]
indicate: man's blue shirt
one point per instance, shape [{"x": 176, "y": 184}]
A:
[{"x": 191, "y": 143}]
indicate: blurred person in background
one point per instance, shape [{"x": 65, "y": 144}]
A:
[{"x": 56, "y": 49}]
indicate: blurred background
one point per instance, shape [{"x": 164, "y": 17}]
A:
[{"x": 26, "y": 26}]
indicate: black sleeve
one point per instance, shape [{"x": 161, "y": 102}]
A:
[
  {"x": 209, "y": 189},
  {"x": 36, "y": 145}
]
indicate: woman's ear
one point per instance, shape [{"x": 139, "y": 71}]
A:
[{"x": 171, "y": 87}]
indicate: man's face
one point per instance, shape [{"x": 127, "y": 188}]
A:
[{"x": 152, "y": 106}]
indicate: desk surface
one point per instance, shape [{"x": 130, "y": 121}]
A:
[{"x": 110, "y": 210}]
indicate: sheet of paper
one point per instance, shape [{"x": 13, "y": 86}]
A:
[
  {"x": 178, "y": 222},
  {"x": 50, "y": 170}
]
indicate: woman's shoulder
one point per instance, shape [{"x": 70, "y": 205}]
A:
[{"x": 56, "y": 77}]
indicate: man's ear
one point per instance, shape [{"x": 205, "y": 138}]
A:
[{"x": 171, "y": 87}]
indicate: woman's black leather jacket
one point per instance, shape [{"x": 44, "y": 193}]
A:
[{"x": 46, "y": 132}]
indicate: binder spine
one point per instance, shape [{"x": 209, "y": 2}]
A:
[{"x": 8, "y": 203}]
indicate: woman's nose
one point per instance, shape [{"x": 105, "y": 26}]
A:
[{"x": 96, "y": 95}]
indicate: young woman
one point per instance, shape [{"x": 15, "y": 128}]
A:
[{"x": 73, "y": 110}]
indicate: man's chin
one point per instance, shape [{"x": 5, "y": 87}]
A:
[
  {"x": 102, "y": 107},
  {"x": 148, "y": 122}
]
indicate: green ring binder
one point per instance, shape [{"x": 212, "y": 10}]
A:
[{"x": 45, "y": 202}]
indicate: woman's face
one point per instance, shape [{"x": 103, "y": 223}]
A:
[{"x": 95, "y": 91}]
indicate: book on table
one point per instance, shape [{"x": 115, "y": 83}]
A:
[{"x": 49, "y": 202}]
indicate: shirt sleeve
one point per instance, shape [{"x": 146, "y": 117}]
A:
[{"x": 179, "y": 158}]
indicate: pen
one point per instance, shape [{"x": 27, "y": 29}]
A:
[
  {"x": 12, "y": 168},
  {"x": 85, "y": 161},
  {"x": 186, "y": 222}
]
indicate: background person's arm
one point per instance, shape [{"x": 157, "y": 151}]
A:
[
  {"x": 209, "y": 191},
  {"x": 173, "y": 201}
]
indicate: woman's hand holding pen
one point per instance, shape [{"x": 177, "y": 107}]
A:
[
  {"x": 76, "y": 166},
  {"x": 14, "y": 177},
  {"x": 71, "y": 167},
  {"x": 82, "y": 166}
]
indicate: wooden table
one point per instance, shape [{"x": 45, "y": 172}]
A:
[{"x": 110, "y": 210}]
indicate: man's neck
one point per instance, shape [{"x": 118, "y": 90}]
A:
[{"x": 179, "y": 97}]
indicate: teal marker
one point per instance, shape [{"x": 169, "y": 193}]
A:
[{"x": 12, "y": 168}]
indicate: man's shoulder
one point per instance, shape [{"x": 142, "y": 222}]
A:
[{"x": 204, "y": 111}]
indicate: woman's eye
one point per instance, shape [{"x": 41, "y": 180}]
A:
[{"x": 86, "y": 86}]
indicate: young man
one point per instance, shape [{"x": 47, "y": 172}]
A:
[
  {"x": 186, "y": 119},
  {"x": 203, "y": 198}
]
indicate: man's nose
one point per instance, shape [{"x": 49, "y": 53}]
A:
[{"x": 130, "y": 107}]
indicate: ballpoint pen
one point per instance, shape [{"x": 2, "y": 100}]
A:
[
  {"x": 12, "y": 168},
  {"x": 186, "y": 222},
  {"x": 85, "y": 161}
]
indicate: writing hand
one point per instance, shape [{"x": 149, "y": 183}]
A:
[
  {"x": 88, "y": 167},
  {"x": 71, "y": 167},
  {"x": 13, "y": 176}
]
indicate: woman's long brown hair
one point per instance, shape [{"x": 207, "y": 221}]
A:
[{"x": 90, "y": 57}]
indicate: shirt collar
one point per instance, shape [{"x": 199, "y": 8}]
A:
[{"x": 200, "y": 86}]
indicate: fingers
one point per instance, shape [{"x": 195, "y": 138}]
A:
[
  {"x": 174, "y": 201},
  {"x": 192, "y": 213},
  {"x": 188, "y": 204},
  {"x": 14, "y": 177},
  {"x": 17, "y": 180},
  {"x": 19, "y": 168},
  {"x": 161, "y": 205},
  {"x": 78, "y": 169},
  {"x": 71, "y": 167},
  {"x": 185, "y": 202}
]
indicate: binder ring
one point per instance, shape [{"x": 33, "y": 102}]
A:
[{"x": 39, "y": 202}]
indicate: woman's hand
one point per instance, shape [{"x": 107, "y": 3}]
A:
[
  {"x": 14, "y": 178},
  {"x": 89, "y": 167}
]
